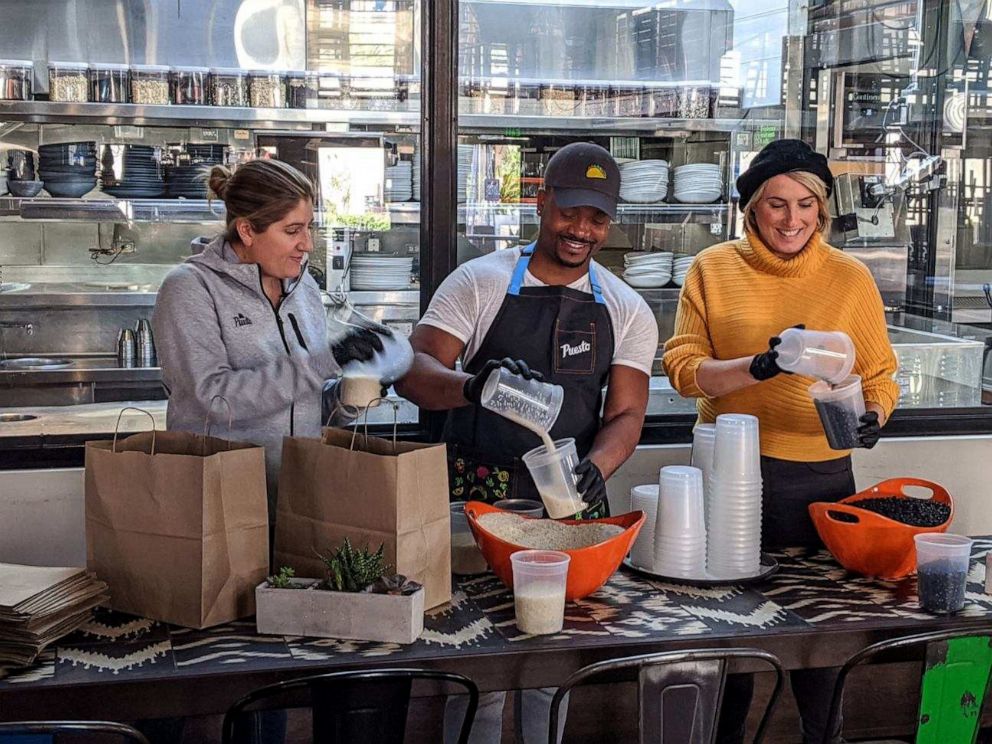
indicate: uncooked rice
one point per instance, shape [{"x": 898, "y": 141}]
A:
[{"x": 546, "y": 534}]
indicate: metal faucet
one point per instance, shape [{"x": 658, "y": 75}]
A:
[{"x": 28, "y": 328}]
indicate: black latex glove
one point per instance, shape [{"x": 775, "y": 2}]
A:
[
  {"x": 870, "y": 430},
  {"x": 361, "y": 345},
  {"x": 472, "y": 390},
  {"x": 591, "y": 485},
  {"x": 764, "y": 366}
]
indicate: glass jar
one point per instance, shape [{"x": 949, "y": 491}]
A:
[
  {"x": 558, "y": 99},
  {"x": 694, "y": 102},
  {"x": 16, "y": 78},
  {"x": 595, "y": 100},
  {"x": 190, "y": 85},
  {"x": 150, "y": 84},
  {"x": 110, "y": 83},
  {"x": 301, "y": 89},
  {"x": 69, "y": 82},
  {"x": 267, "y": 89},
  {"x": 627, "y": 100},
  {"x": 229, "y": 87},
  {"x": 664, "y": 101}
]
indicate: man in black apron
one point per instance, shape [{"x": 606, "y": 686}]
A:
[{"x": 553, "y": 332}]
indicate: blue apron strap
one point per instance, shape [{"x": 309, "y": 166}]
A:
[
  {"x": 521, "y": 269},
  {"x": 597, "y": 291}
]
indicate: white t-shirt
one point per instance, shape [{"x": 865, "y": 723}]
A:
[{"x": 466, "y": 304}]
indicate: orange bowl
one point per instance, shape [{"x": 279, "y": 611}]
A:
[
  {"x": 869, "y": 543},
  {"x": 589, "y": 568}
]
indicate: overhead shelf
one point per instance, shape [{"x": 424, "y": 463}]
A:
[{"x": 521, "y": 125}]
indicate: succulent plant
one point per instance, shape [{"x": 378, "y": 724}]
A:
[
  {"x": 351, "y": 570},
  {"x": 283, "y": 579}
]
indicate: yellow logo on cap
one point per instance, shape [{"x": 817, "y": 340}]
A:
[{"x": 596, "y": 171}]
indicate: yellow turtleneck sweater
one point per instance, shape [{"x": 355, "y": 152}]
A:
[{"x": 739, "y": 294}]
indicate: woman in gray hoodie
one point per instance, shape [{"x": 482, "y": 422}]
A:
[{"x": 242, "y": 318}]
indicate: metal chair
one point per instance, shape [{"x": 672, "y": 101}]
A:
[
  {"x": 355, "y": 706},
  {"x": 99, "y": 730},
  {"x": 955, "y": 679},
  {"x": 680, "y": 692}
]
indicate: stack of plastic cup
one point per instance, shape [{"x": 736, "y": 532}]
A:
[
  {"x": 734, "y": 520},
  {"x": 645, "y": 499},
  {"x": 680, "y": 529},
  {"x": 703, "y": 438}
]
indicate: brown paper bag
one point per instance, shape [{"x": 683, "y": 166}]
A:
[
  {"x": 371, "y": 491},
  {"x": 176, "y": 524}
]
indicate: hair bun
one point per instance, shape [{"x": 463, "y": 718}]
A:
[{"x": 218, "y": 180}]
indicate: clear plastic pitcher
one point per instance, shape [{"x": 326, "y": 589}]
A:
[
  {"x": 942, "y": 571},
  {"x": 828, "y": 355},
  {"x": 539, "y": 581},
  {"x": 840, "y": 407},
  {"x": 554, "y": 477},
  {"x": 530, "y": 403}
]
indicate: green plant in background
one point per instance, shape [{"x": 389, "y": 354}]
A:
[
  {"x": 351, "y": 570},
  {"x": 283, "y": 580}
]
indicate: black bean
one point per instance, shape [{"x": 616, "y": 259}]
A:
[
  {"x": 840, "y": 424},
  {"x": 941, "y": 586},
  {"x": 915, "y": 512}
]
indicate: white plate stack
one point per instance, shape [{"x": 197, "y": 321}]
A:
[
  {"x": 399, "y": 181},
  {"x": 381, "y": 272},
  {"x": 734, "y": 515},
  {"x": 415, "y": 175},
  {"x": 647, "y": 270},
  {"x": 680, "y": 266},
  {"x": 644, "y": 181},
  {"x": 464, "y": 171},
  {"x": 699, "y": 183},
  {"x": 645, "y": 499}
]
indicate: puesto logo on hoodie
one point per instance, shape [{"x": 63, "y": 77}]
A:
[{"x": 241, "y": 320}]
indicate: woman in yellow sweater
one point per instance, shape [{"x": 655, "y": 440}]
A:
[{"x": 737, "y": 297}]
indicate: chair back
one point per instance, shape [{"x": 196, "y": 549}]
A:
[
  {"x": 96, "y": 731},
  {"x": 348, "y": 706},
  {"x": 679, "y": 692},
  {"x": 956, "y": 669}
]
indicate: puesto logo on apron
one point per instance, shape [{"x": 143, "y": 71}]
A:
[{"x": 575, "y": 349}]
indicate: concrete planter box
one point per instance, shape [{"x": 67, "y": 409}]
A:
[{"x": 325, "y": 614}]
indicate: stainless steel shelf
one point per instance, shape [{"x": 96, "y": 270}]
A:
[
  {"x": 200, "y": 116},
  {"x": 627, "y": 214},
  {"x": 520, "y": 125}
]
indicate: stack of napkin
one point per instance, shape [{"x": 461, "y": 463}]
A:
[{"x": 39, "y": 605}]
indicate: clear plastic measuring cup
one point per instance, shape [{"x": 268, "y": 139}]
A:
[
  {"x": 554, "y": 477},
  {"x": 840, "y": 407},
  {"x": 530, "y": 403},
  {"x": 828, "y": 355}
]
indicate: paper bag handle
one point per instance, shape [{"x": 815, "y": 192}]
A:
[
  {"x": 365, "y": 432},
  {"x": 120, "y": 415},
  {"x": 206, "y": 421}
]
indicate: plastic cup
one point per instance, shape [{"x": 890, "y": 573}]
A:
[
  {"x": 466, "y": 558},
  {"x": 828, "y": 355},
  {"x": 644, "y": 498},
  {"x": 523, "y": 507},
  {"x": 942, "y": 571},
  {"x": 703, "y": 439},
  {"x": 840, "y": 407},
  {"x": 554, "y": 477},
  {"x": 680, "y": 502},
  {"x": 736, "y": 451},
  {"x": 530, "y": 403},
  {"x": 539, "y": 579},
  {"x": 360, "y": 391}
]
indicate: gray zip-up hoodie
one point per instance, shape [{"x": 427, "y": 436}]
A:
[{"x": 216, "y": 333}]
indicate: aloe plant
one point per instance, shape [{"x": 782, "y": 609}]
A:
[{"x": 351, "y": 570}]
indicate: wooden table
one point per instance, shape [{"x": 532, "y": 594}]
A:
[{"x": 811, "y": 613}]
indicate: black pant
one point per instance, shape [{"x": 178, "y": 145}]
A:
[{"x": 788, "y": 488}]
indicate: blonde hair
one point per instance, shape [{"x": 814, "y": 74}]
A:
[
  {"x": 812, "y": 182},
  {"x": 260, "y": 192}
]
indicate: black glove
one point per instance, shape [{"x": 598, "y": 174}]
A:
[
  {"x": 764, "y": 366},
  {"x": 361, "y": 345},
  {"x": 870, "y": 431},
  {"x": 472, "y": 390},
  {"x": 591, "y": 485}
]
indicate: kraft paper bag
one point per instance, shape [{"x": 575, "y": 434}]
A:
[
  {"x": 372, "y": 491},
  {"x": 177, "y": 525}
]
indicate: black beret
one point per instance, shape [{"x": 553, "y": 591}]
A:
[{"x": 782, "y": 156}]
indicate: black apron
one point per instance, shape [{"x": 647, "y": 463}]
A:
[{"x": 567, "y": 336}]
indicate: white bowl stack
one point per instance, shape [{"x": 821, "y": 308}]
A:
[
  {"x": 381, "y": 272},
  {"x": 680, "y": 267},
  {"x": 648, "y": 270},
  {"x": 399, "y": 181},
  {"x": 733, "y": 525},
  {"x": 644, "y": 181},
  {"x": 645, "y": 499},
  {"x": 698, "y": 183}
]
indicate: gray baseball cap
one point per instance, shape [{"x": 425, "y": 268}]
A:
[{"x": 584, "y": 175}]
